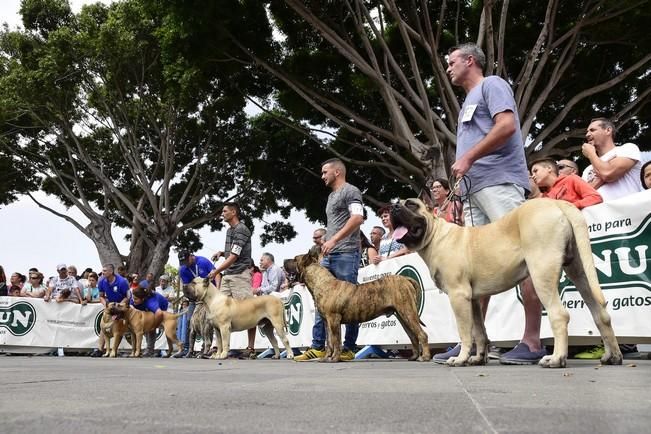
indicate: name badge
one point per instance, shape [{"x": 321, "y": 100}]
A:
[{"x": 468, "y": 112}]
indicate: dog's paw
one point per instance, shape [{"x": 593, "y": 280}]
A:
[
  {"x": 290, "y": 356},
  {"x": 477, "y": 360},
  {"x": 457, "y": 361},
  {"x": 611, "y": 359},
  {"x": 276, "y": 356},
  {"x": 552, "y": 362}
]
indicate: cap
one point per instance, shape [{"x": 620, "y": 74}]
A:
[
  {"x": 61, "y": 267},
  {"x": 144, "y": 284},
  {"x": 183, "y": 255},
  {"x": 165, "y": 277}
]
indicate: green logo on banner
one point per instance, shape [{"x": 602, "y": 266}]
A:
[
  {"x": 294, "y": 313},
  {"x": 410, "y": 271},
  {"x": 98, "y": 322},
  {"x": 621, "y": 260},
  {"x": 19, "y": 318}
]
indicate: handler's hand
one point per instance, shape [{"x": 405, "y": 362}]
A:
[
  {"x": 327, "y": 246},
  {"x": 461, "y": 167},
  {"x": 212, "y": 274},
  {"x": 377, "y": 259},
  {"x": 217, "y": 255}
]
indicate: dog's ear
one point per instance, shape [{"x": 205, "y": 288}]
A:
[{"x": 314, "y": 252}]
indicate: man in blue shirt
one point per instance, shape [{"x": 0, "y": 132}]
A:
[
  {"x": 191, "y": 267},
  {"x": 113, "y": 288}
]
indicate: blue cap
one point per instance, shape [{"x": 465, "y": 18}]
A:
[{"x": 144, "y": 284}]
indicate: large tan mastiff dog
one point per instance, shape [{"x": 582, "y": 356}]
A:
[
  {"x": 112, "y": 326},
  {"x": 539, "y": 239},
  {"x": 341, "y": 302},
  {"x": 141, "y": 322},
  {"x": 228, "y": 314}
]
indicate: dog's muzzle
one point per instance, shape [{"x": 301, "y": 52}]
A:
[{"x": 189, "y": 293}]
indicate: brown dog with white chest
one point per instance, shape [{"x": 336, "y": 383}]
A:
[
  {"x": 112, "y": 326},
  {"x": 141, "y": 322},
  {"x": 341, "y": 302}
]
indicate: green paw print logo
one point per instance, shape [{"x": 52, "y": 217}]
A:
[
  {"x": 409, "y": 271},
  {"x": 19, "y": 318}
]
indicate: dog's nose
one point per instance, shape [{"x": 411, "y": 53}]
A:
[{"x": 394, "y": 208}]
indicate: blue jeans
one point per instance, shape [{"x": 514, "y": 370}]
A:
[
  {"x": 187, "y": 317},
  {"x": 344, "y": 266}
]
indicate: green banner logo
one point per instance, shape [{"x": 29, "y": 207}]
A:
[
  {"x": 621, "y": 260},
  {"x": 294, "y": 313},
  {"x": 98, "y": 322},
  {"x": 410, "y": 271},
  {"x": 19, "y": 318}
]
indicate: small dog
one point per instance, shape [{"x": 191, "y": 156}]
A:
[
  {"x": 344, "y": 302},
  {"x": 141, "y": 322},
  {"x": 201, "y": 325},
  {"x": 112, "y": 326},
  {"x": 228, "y": 314}
]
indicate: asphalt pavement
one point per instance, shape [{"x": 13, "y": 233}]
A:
[{"x": 44, "y": 394}]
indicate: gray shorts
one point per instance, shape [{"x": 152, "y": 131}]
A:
[
  {"x": 491, "y": 203},
  {"x": 237, "y": 286}
]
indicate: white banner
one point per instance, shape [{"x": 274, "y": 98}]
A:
[{"x": 620, "y": 232}]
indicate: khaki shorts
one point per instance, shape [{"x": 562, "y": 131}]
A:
[
  {"x": 491, "y": 203},
  {"x": 237, "y": 286}
]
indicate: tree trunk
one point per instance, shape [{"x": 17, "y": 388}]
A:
[{"x": 99, "y": 232}]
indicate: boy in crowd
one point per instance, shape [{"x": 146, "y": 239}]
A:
[{"x": 571, "y": 188}]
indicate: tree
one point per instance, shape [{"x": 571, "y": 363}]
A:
[
  {"x": 110, "y": 125},
  {"x": 370, "y": 74}
]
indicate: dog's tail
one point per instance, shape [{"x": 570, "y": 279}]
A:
[
  {"x": 582, "y": 248},
  {"x": 179, "y": 313}
]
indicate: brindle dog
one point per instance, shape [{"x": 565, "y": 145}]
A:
[
  {"x": 343, "y": 302},
  {"x": 112, "y": 326},
  {"x": 201, "y": 325}
]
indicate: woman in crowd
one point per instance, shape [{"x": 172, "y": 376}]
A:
[
  {"x": 452, "y": 211},
  {"x": 256, "y": 276},
  {"x": 389, "y": 248},
  {"x": 4, "y": 291},
  {"x": 645, "y": 175},
  {"x": 17, "y": 279},
  {"x": 35, "y": 287},
  {"x": 90, "y": 292},
  {"x": 369, "y": 252},
  {"x": 134, "y": 282}
]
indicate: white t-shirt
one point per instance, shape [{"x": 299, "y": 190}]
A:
[
  {"x": 629, "y": 183},
  {"x": 31, "y": 288},
  {"x": 167, "y": 292}
]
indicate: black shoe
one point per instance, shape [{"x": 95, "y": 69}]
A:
[
  {"x": 189, "y": 355},
  {"x": 179, "y": 354},
  {"x": 96, "y": 353}
]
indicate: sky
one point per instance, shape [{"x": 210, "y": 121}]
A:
[{"x": 33, "y": 237}]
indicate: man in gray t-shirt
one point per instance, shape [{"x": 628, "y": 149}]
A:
[
  {"x": 341, "y": 250},
  {"x": 236, "y": 280},
  {"x": 338, "y": 212},
  {"x": 490, "y": 153}
]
